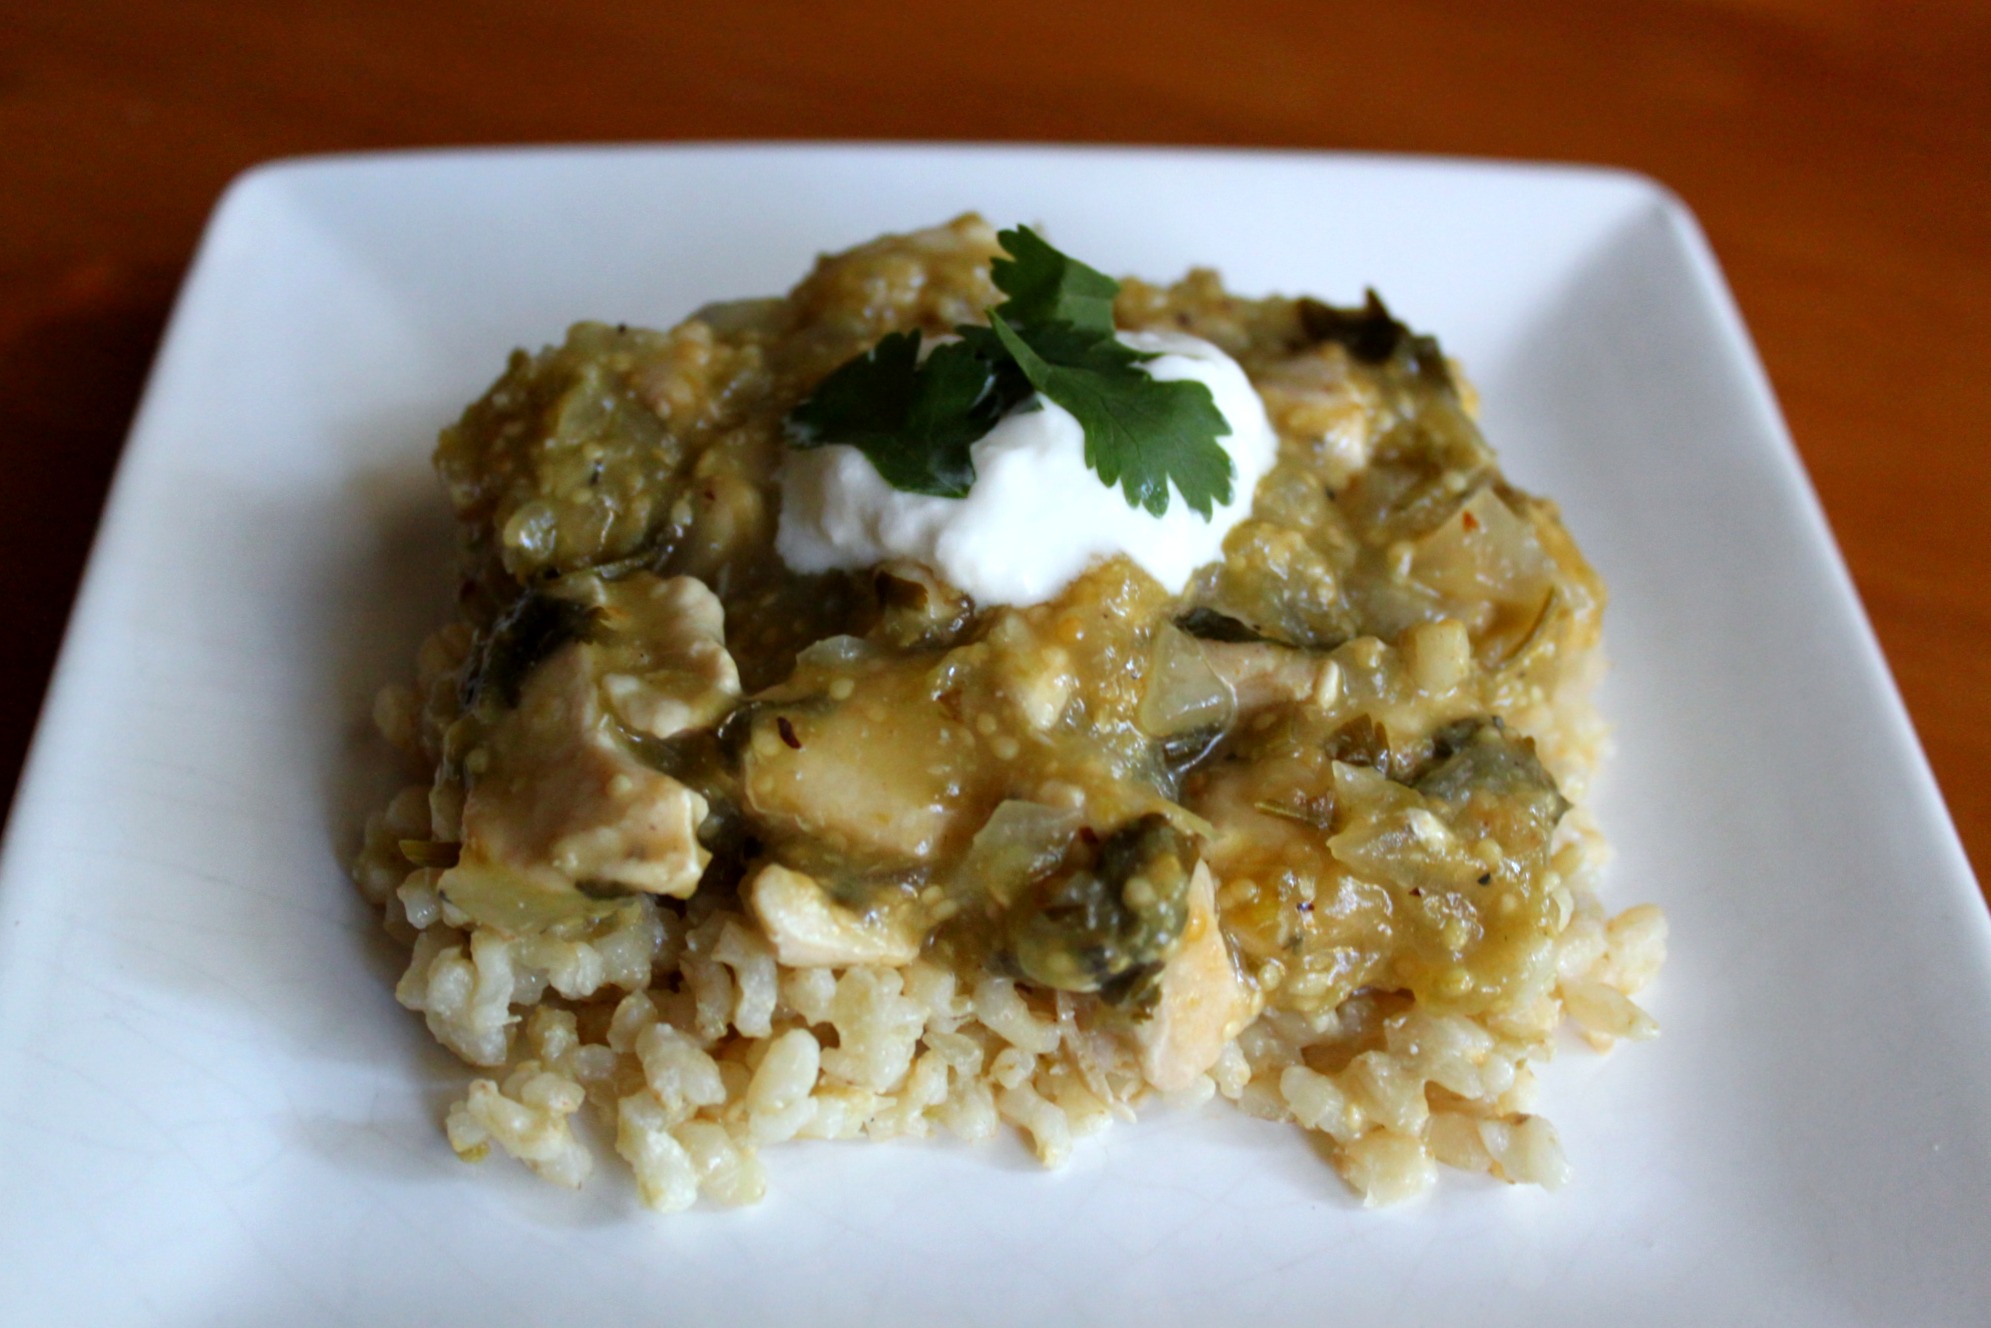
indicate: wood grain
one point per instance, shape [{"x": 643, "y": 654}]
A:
[{"x": 1838, "y": 152}]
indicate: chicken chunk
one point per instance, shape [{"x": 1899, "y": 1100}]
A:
[
  {"x": 808, "y": 929},
  {"x": 665, "y": 668},
  {"x": 552, "y": 789},
  {"x": 883, "y": 774}
]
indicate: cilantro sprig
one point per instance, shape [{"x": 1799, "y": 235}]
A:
[{"x": 915, "y": 419}]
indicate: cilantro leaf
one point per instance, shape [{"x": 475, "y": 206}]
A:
[
  {"x": 1140, "y": 433},
  {"x": 914, "y": 421},
  {"x": 954, "y": 404},
  {"x": 1045, "y": 286}
]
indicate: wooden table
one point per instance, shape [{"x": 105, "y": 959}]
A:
[{"x": 1838, "y": 152}]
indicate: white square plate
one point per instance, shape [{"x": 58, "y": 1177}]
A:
[{"x": 212, "y": 1111}]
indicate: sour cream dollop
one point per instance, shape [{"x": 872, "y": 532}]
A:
[{"x": 1036, "y": 516}]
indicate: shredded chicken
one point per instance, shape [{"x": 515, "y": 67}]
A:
[
  {"x": 1262, "y": 674},
  {"x": 1203, "y": 1002}
]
